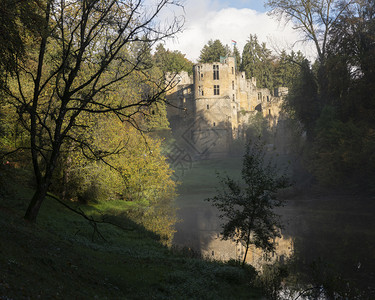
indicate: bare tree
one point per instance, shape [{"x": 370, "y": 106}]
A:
[
  {"x": 314, "y": 18},
  {"x": 85, "y": 50}
]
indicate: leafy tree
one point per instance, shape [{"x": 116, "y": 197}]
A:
[
  {"x": 334, "y": 99},
  {"x": 172, "y": 61},
  {"x": 257, "y": 62},
  {"x": 351, "y": 56},
  {"x": 248, "y": 210},
  {"x": 84, "y": 50},
  {"x": 272, "y": 278},
  {"x": 339, "y": 153},
  {"x": 212, "y": 52},
  {"x": 137, "y": 175},
  {"x": 344, "y": 130},
  {"x": 18, "y": 21},
  {"x": 12, "y": 135}
]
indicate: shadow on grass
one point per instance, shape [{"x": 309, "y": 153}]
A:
[{"x": 56, "y": 258}]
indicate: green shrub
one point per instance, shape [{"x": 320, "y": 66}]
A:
[{"x": 271, "y": 279}]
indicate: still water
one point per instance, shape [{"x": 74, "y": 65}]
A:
[{"x": 330, "y": 237}]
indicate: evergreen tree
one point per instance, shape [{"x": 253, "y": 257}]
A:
[
  {"x": 257, "y": 62},
  {"x": 302, "y": 101},
  {"x": 212, "y": 52},
  {"x": 287, "y": 68},
  {"x": 237, "y": 55}
]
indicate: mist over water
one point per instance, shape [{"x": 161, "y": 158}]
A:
[{"x": 332, "y": 232}]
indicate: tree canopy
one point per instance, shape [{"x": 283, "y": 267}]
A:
[
  {"x": 237, "y": 55},
  {"x": 171, "y": 61},
  {"x": 257, "y": 62},
  {"x": 84, "y": 54},
  {"x": 287, "y": 68},
  {"x": 19, "y": 20},
  {"x": 334, "y": 98},
  {"x": 212, "y": 51}
]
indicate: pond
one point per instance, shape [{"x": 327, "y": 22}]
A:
[{"x": 329, "y": 235}]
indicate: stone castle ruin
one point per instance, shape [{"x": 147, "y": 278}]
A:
[{"x": 212, "y": 107}]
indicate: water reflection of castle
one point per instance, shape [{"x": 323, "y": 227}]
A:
[
  {"x": 283, "y": 250},
  {"x": 225, "y": 250},
  {"x": 200, "y": 232}
]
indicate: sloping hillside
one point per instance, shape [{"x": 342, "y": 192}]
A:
[{"x": 61, "y": 257}]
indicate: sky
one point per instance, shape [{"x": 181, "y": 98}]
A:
[{"x": 229, "y": 20}]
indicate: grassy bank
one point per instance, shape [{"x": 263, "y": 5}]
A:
[{"x": 61, "y": 257}]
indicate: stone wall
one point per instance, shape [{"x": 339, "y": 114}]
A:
[{"x": 212, "y": 106}]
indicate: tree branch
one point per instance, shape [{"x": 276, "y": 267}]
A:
[{"x": 94, "y": 223}]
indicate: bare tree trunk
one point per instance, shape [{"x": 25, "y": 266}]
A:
[
  {"x": 247, "y": 248},
  {"x": 36, "y": 202},
  {"x": 42, "y": 188},
  {"x": 244, "y": 259},
  {"x": 43, "y": 185}
]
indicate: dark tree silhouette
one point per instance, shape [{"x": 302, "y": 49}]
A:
[{"x": 247, "y": 208}]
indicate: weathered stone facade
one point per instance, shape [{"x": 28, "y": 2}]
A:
[{"x": 212, "y": 107}]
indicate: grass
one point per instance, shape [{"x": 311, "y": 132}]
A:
[{"x": 59, "y": 257}]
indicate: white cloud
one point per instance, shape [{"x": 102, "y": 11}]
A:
[{"x": 205, "y": 20}]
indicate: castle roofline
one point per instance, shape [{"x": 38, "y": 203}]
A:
[{"x": 223, "y": 60}]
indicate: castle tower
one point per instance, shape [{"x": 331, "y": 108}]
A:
[{"x": 216, "y": 104}]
